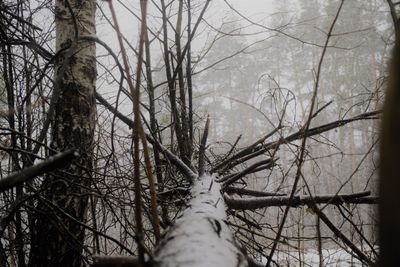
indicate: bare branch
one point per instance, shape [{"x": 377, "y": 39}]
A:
[
  {"x": 202, "y": 149},
  {"x": 52, "y": 163},
  {"x": 263, "y": 202},
  {"x": 340, "y": 235},
  {"x": 116, "y": 261}
]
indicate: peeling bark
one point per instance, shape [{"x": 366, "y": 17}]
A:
[{"x": 200, "y": 236}]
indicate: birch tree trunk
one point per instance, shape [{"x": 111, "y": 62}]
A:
[
  {"x": 200, "y": 236},
  {"x": 57, "y": 238}
]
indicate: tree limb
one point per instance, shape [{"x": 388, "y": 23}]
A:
[
  {"x": 263, "y": 202},
  {"x": 51, "y": 164}
]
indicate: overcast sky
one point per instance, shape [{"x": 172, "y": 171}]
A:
[
  {"x": 250, "y": 7},
  {"x": 217, "y": 10}
]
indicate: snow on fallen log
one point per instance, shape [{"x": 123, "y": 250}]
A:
[{"x": 200, "y": 235}]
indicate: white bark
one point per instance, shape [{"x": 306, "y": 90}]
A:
[
  {"x": 200, "y": 236},
  {"x": 55, "y": 240}
]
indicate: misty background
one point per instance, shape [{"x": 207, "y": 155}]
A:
[{"x": 254, "y": 67}]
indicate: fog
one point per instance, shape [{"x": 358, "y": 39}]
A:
[
  {"x": 255, "y": 68},
  {"x": 293, "y": 90}
]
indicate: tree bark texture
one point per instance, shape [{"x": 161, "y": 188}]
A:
[
  {"x": 56, "y": 239},
  {"x": 200, "y": 236}
]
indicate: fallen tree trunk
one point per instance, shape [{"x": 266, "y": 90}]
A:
[{"x": 200, "y": 236}]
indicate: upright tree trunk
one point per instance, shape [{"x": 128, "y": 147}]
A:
[
  {"x": 57, "y": 238},
  {"x": 389, "y": 183}
]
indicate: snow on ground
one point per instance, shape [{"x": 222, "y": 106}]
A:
[{"x": 310, "y": 257}]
